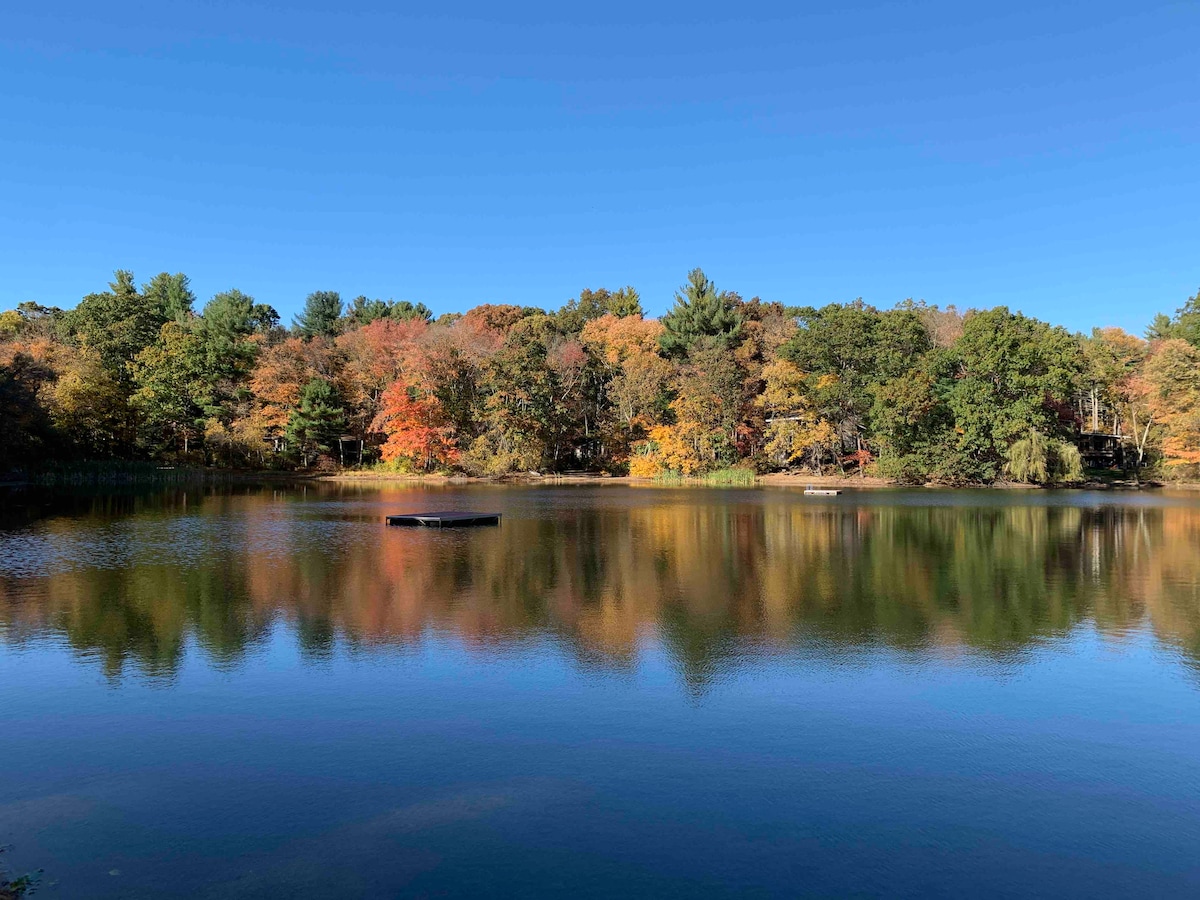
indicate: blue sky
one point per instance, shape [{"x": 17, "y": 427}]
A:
[{"x": 1041, "y": 155}]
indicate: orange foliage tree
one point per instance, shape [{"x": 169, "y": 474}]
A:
[
  {"x": 626, "y": 350},
  {"x": 417, "y": 430},
  {"x": 1172, "y": 375},
  {"x": 281, "y": 374},
  {"x": 372, "y": 358}
]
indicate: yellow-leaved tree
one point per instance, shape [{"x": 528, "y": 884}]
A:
[
  {"x": 707, "y": 420},
  {"x": 794, "y": 433},
  {"x": 1172, "y": 374},
  {"x": 636, "y": 375}
]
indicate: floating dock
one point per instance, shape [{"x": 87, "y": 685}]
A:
[
  {"x": 445, "y": 519},
  {"x": 822, "y": 492}
]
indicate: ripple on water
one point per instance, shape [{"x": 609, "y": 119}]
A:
[{"x": 183, "y": 541}]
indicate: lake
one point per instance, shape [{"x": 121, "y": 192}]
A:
[{"x": 631, "y": 691}]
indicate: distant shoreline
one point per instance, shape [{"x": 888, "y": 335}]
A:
[
  {"x": 184, "y": 476},
  {"x": 777, "y": 479}
]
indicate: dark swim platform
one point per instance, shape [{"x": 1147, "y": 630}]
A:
[{"x": 445, "y": 519}]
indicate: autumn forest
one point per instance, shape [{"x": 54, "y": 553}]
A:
[{"x": 915, "y": 393}]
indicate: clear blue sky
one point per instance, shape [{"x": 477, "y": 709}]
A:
[{"x": 1042, "y": 155}]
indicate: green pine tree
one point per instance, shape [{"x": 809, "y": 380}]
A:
[
  {"x": 170, "y": 295},
  {"x": 316, "y": 425},
  {"x": 322, "y": 310},
  {"x": 702, "y": 314}
]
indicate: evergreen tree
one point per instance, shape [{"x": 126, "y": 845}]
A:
[
  {"x": 363, "y": 311},
  {"x": 1184, "y": 325},
  {"x": 322, "y": 310},
  {"x": 701, "y": 314},
  {"x": 624, "y": 303},
  {"x": 403, "y": 310},
  {"x": 228, "y": 320},
  {"x": 318, "y": 422},
  {"x": 226, "y": 334},
  {"x": 170, "y": 295},
  {"x": 1161, "y": 328}
]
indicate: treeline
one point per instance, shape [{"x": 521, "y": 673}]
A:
[{"x": 915, "y": 393}]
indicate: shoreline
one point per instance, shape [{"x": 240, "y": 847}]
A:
[{"x": 774, "y": 479}]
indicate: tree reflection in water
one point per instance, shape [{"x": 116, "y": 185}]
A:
[{"x": 716, "y": 577}]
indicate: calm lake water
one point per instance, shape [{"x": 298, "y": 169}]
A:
[{"x": 621, "y": 691}]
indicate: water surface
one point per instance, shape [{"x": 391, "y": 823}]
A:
[{"x": 265, "y": 692}]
